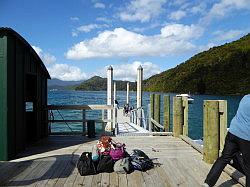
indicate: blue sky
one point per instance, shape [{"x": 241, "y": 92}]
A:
[{"x": 78, "y": 39}]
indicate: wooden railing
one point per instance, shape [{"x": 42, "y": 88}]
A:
[
  {"x": 214, "y": 127},
  {"x": 84, "y": 121}
]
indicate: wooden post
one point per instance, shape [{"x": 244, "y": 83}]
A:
[
  {"x": 211, "y": 130},
  {"x": 157, "y": 106},
  {"x": 178, "y": 116},
  {"x": 139, "y": 93},
  {"x": 114, "y": 92},
  {"x": 128, "y": 93},
  {"x": 223, "y": 122},
  {"x": 149, "y": 117},
  {"x": 91, "y": 128},
  {"x": 83, "y": 122},
  {"x": 109, "y": 96},
  {"x": 166, "y": 115},
  {"x": 152, "y": 101},
  {"x": 185, "y": 122},
  {"x": 115, "y": 120},
  {"x": 103, "y": 118}
]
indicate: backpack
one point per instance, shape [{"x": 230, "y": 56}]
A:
[
  {"x": 85, "y": 164},
  {"x": 106, "y": 164},
  {"x": 140, "y": 161},
  {"x": 122, "y": 166},
  {"x": 118, "y": 152}
]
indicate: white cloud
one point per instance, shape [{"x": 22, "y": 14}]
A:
[
  {"x": 66, "y": 73},
  {"x": 99, "y": 5},
  {"x": 142, "y": 10},
  {"x": 177, "y": 15},
  {"x": 88, "y": 28},
  {"x": 173, "y": 39},
  {"x": 74, "y": 19},
  {"x": 224, "y": 7},
  {"x": 60, "y": 71},
  {"x": 227, "y": 35},
  {"x": 199, "y": 9},
  {"x": 128, "y": 71},
  {"x": 46, "y": 57},
  {"x": 181, "y": 32},
  {"x": 104, "y": 19}
]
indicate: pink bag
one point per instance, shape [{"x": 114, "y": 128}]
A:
[{"x": 118, "y": 152}]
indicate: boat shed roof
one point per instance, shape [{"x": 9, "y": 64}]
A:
[{"x": 9, "y": 31}]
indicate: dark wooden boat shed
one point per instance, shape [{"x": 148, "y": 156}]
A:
[{"x": 23, "y": 94}]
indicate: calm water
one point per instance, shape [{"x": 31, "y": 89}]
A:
[{"x": 90, "y": 97}]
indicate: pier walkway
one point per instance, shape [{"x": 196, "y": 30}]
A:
[{"x": 52, "y": 163}]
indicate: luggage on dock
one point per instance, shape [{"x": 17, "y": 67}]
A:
[
  {"x": 122, "y": 166},
  {"x": 140, "y": 161},
  {"x": 106, "y": 164},
  {"x": 85, "y": 164},
  {"x": 117, "y": 151},
  {"x": 104, "y": 145}
]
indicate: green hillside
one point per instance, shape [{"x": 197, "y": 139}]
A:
[
  {"x": 220, "y": 70},
  {"x": 97, "y": 83}
]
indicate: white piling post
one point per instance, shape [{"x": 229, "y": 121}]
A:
[
  {"x": 139, "y": 93},
  {"x": 128, "y": 93},
  {"x": 109, "y": 97},
  {"x": 114, "y": 92}
]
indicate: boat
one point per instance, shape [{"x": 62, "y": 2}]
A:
[{"x": 190, "y": 99}]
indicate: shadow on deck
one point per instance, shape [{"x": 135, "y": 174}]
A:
[{"x": 54, "y": 164}]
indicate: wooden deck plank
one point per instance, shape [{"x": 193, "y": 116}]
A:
[
  {"x": 57, "y": 173},
  {"x": 79, "y": 180},
  {"x": 65, "y": 174},
  {"x": 135, "y": 179},
  {"x": 88, "y": 180},
  {"x": 13, "y": 170},
  {"x": 123, "y": 182},
  {"x": 181, "y": 165},
  {"x": 97, "y": 179},
  {"x": 105, "y": 179},
  {"x": 48, "y": 175},
  {"x": 114, "y": 179},
  {"x": 19, "y": 179}
]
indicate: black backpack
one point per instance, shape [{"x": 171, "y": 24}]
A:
[
  {"x": 140, "y": 161},
  {"x": 85, "y": 164},
  {"x": 106, "y": 164}
]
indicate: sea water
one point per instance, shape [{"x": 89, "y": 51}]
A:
[{"x": 68, "y": 97}]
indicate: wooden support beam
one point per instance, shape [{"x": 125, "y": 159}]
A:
[
  {"x": 152, "y": 101},
  {"x": 127, "y": 93},
  {"x": 157, "y": 106},
  {"x": 166, "y": 114},
  {"x": 109, "y": 96},
  {"x": 185, "y": 108},
  {"x": 83, "y": 122},
  {"x": 157, "y": 124},
  {"x": 177, "y": 116},
  {"x": 223, "y": 122},
  {"x": 139, "y": 94},
  {"x": 211, "y": 130}
]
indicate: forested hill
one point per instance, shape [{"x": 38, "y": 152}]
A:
[
  {"x": 220, "y": 70},
  {"x": 97, "y": 83}
]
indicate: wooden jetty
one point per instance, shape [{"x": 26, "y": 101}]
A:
[
  {"x": 180, "y": 161},
  {"x": 52, "y": 163}
]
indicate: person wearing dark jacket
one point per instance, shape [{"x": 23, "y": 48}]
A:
[{"x": 237, "y": 140}]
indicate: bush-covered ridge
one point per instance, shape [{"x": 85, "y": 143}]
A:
[
  {"x": 97, "y": 83},
  {"x": 220, "y": 70}
]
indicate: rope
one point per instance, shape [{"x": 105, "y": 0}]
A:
[{"x": 64, "y": 120}]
